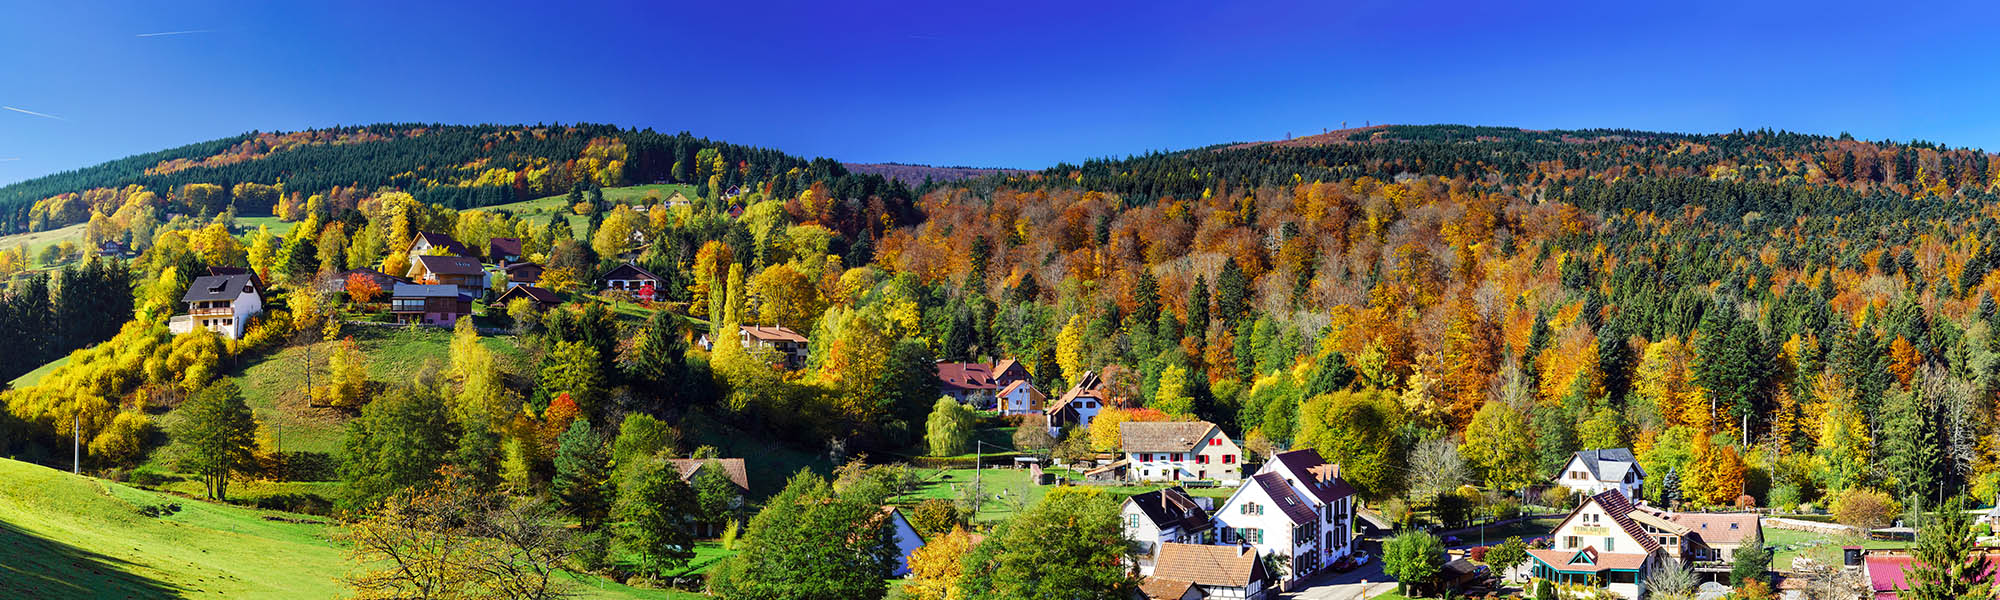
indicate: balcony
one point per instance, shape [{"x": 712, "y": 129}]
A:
[{"x": 220, "y": 311}]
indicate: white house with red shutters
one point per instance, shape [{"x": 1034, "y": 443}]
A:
[
  {"x": 1297, "y": 507},
  {"x": 1180, "y": 451}
]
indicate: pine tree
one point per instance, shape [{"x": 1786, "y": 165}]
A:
[
  {"x": 1232, "y": 292},
  {"x": 1947, "y": 567},
  {"x": 1197, "y": 308},
  {"x": 582, "y": 471}
]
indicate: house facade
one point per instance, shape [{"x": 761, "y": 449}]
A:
[
  {"x": 969, "y": 383},
  {"x": 459, "y": 271},
  {"x": 523, "y": 273},
  {"x": 1180, "y": 451},
  {"x": 1165, "y": 516},
  {"x": 1591, "y": 472},
  {"x": 427, "y": 243},
  {"x": 1077, "y": 407},
  {"x": 632, "y": 279},
  {"x": 1020, "y": 398},
  {"x": 220, "y": 303},
  {"x": 1218, "y": 571},
  {"x": 503, "y": 251},
  {"x": 540, "y": 298},
  {"x": 1008, "y": 371},
  {"x": 907, "y": 539},
  {"x": 1603, "y": 543},
  {"x": 1295, "y": 506},
  {"x": 429, "y": 304}
]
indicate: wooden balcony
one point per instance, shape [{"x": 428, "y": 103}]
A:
[{"x": 223, "y": 311}]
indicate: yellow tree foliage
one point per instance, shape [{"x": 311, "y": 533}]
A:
[
  {"x": 1070, "y": 349},
  {"x": 1715, "y": 476},
  {"x": 1103, "y": 432},
  {"x": 786, "y": 297},
  {"x": 1664, "y": 380},
  {"x": 1471, "y": 349},
  {"x": 1570, "y": 359},
  {"x": 216, "y": 246},
  {"x": 1904, "y": 360},
  {"x": 935, "y": 568}
]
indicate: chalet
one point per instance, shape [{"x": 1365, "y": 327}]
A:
[
  {"x": 426, "y": 241},
  {"x": 907, "y": 539},
  {"x": 114, "y": 249},
  {"x": 1020, "y": 398},
  {"x": 1296, "y": 506},
  {"x": 338, "y": 283},
  {"x": 450, "y": 270},
  {"x": 542, "y": 299},
  {"x": 631, "y": 278},
  {"x": 429, "y": 304},
  {"x": 1592, "y": 471},
  {"x": 968, "y": 383},
  {"x": 1077, "y": 406},
  {"x": 789, "y": 345},
  {"x": 523, "y": 273},
  {"x": 1603, "y": 543},
  {"x": 1180, "y": 451},
  {"x": 1218, "y": 571},
  {"x": 220, "y": 303},
  {"x": 1164, "y": 516},
  {"x": 503, "y": 251},
  {"x": 1008, "y": 371}
]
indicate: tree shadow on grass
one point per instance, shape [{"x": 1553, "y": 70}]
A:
[{"x": 32, "y": 566}]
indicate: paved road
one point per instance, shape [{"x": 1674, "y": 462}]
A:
[{"x": 1344, "y": 586}]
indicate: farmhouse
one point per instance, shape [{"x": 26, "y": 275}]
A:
[
  {"x": 220, "y": 303},
  {"x": 969, "y": 383},
  {"x": 1604, "y": 543},
  {"x": 1295, "y": 505},
  {"x": 1592, "y": 471},
  {"x": 1218, "y": 571},
  {"x": 1180, "y": 451},
  {"x": 1077, "y": 406},
  {"x": 1020, "y": 398},
  {"x": 429, "y": 304},
  {"x": 633, "y": 279},
  {"x": 1164, "y": 516}
]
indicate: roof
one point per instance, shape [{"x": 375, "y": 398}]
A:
[
  {"x": 442, "y": 241},
  {"x": 1036, "y": 399},
  {"x": 1155, "y": 588},
  {"x": 451, "y": 265},
  {"x": 1619, "y": 508},
  {"x": 1609, "y": 464},
  {"x": 732, "y": 466},
  {"x": 1718, "y": 528},
  {"x": 1086, "y": 386},
  {"x": 1295, "y": 508},
  {"x": 1172, "y": 507},
  {"x": 530, "y": 292},
  {"x": 503, "y": 246},
  {"x": 965, "y": 376},
  {"x": 1163, "y": 436},
  {"x": 413, "y": 290},
  {"x": 1221, "y": 566},
  {"x": 1318, "y": 477},
  {"x": 630, "y": 271},
  {"x": 219, "y": 287},
  {"x": 772, "y": 334},
  {"x": 1589, "y": 560}
]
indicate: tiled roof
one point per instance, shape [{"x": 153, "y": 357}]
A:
[
  {"x": 1156, "y": 588},
  {"x": 451, "y": 265},
  {"x": 1318, "y": 477},
  {"x": 218, "y": 287},
  {"x": 1295, "y": 508},
  {"x": 1171, "y": 507},
  {"x": 411, "y": 290},
  {"x": 732, "y": 466},
  {"x": 1718, "y": 528},
  {"x": 1619, "y": 508},
  {"x": 530, "y": 292},
  {"x": 1162, "y": 436},
  {"x": 1086, "y": 386},
  {"x": 1221, "y": 566},
  {"x": 965, "y": 376},
  {"x": 503, "y": 246},
  {"x": 773, "y": 334},
  {"x": 1568, "y": 560},
  {"x": 442, "y": 241}
]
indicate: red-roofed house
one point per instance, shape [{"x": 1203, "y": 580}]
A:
[
  {"x": 1296, "y": 505},
  {"x": 1889, "y": 572},
  {"x": 969, "y": 383}
]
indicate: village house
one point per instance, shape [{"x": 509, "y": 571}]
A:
[
  {"x": 523, "y": 273},
  {"x": 1154, "y": 588},
  {"x": 450, "y": 270},
  {"x": 1180, "y": 451},
  {"x": 1008, "y": 371},
  {"x": 1217, "y": 571},
  {"x": 1295, "y": 505},
  {"x": 1603, "y": 543},
  {"x": 114, "y": 249},
  {"x": 429, "y": 304},
  {"x": 1077, "y": 407},
  {"x": 540, "y": 298},
  {"x": 338, "y": 282},
  {"x": 220, "y": 303},
  {"x": 1697, "y": 538},
  {"x": 786, "y": 346},
  {"x": 969, "y": 383},
  {"x": 1164, "y": 516},
  {"x": 425, "y": 241},
  {"x": 733, "y": 467},
  {"x": 1589, "y": 472},
  {"x": 503, "y": 251},
  {"x": 632, "y": 279},
  {"x": 907, "y": 539},
  {"x": 1020, "y": 398}
]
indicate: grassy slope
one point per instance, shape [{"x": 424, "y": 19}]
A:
[
  {"x": 250, "y": 224},
  {"x": 42, "y": 239},
  {"x": 273, "y": 384},
  {"x": 539, "y": 210},
  {"x": 35, "y": 376}
]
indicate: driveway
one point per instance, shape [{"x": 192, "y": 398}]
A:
[{"x": 1344, "y": 586}]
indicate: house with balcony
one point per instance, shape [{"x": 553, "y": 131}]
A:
[
  {"x": 1607, "y": 543},
  {"x": 1297, "y": 506},
  {"x": 1164, "y": 516},
  {"x": 1179, "y": 451},
  {"x": 466, "y": 273},
  {"x": 429, "y": 304},
  {"x": 633, "y": 279},
  {"x": 1589, "y": 472},
  {"x": 220, "y": 303}
]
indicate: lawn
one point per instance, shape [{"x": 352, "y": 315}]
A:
[
  {"x": 1008, "y": 490},
  {"x": 1788, "y": 544},
  {"x": 539, "y": 210},
  {"x": 274, "y": 385},
  {"x": 35, "y": 376},
  {"x": 250, "y": 224},
  {"x": 38, "y": 240}
]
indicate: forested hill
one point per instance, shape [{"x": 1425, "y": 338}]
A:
[
  {"x": 917, "y": 174},
  {"x": 452, "y": 165}
]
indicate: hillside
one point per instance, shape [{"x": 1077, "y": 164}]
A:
[{"x": 916, "y": 174}]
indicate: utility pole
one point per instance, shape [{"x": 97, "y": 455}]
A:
[{"x": 75, "y": 444}]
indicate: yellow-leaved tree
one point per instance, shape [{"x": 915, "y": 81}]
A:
[
  {"x": 937, "y": 567},
  {"x": 1070, "y": 348}
]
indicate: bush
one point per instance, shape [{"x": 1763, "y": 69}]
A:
[
  {"x": 147, "y": 476},
  {"x": 309, "y": 504},
  {"x": 1864, "y": 509},
  {"x": 1556, "y": 497}
]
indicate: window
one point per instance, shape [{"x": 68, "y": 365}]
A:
[
  {"x": 1252, "y": 508},
  {"x": 1228, "y": 459},
  {"x": 1251, "y": 534},
  {"x": 1215, "y": 441},
  {"x": 1201, "y": 459},
  {"x": 1570, "y": 542},
  {"x": 1132, "y": 521},
  {"x": 1610, "y": 544}
]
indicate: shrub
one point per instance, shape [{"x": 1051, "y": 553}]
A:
[{"x": 1864, "y": 508}]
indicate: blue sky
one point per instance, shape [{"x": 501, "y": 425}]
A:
[{"x": 1017, "y": 84}]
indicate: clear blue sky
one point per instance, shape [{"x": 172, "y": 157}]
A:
[{"x": 1017, "y": 84}]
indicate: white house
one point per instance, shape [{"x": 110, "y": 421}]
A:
[
  {"x": 1592, "y": 471},
  {"x": 1218, "y": 571},
  {"x": 220, "y": 303},
  {"x": 1020, "y": 398},
  {"x": 1077, "y": 406},
  {"x": 1180, "y": 451},
  {"x": 1295, "y": 506},
  {"x": 907, "y": 540},
  {"x": 1602, "y": 543},
  {"x": 1165, "y": 516},
  {"x": 426, "y": 242}
]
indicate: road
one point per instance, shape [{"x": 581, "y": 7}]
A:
[{"x": 1344, "y": 586}]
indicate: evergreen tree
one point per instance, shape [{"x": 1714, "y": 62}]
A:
[
  {"x": 809, "y": 542},
  {"x": 1909, "y": 445},
  {"x": 1232, "y": 293},
  {"x": 1197, "y": 308},
  {"x": 1752, "y": 559},
  {"x": 1947, "y": 566},
  {"x": 582, "y": 472}
]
